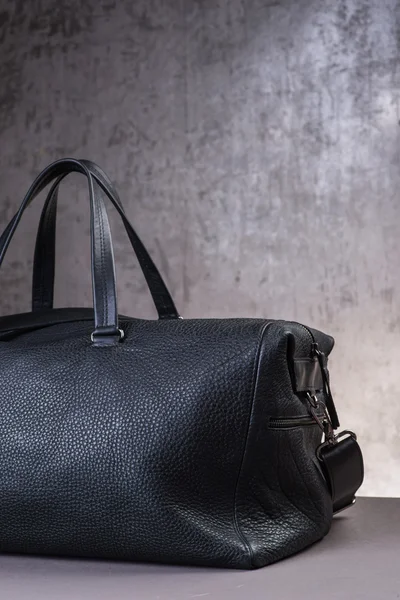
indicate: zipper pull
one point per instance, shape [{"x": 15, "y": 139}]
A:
[
  {"x": 324, "y": 423},
  {"x": 314, "y": 404},
  {"x": 330, "y": 405},
  {"x": 328, "y": 430}
]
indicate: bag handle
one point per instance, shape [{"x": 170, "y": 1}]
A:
[
  {"x": 44, "y": 260},
  {"x": 103, "y": 269}
]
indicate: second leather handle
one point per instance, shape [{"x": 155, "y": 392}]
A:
[
  {"x": 44, "y": 261},
  {"x": 103, "y": 273}
]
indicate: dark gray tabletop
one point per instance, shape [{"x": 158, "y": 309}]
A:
[{"x": 359, "y": 559}]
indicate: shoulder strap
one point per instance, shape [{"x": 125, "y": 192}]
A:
[{"x": 343, "y": 467}]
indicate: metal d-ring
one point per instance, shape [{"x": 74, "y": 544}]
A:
[{"x": 346, "y": 432}]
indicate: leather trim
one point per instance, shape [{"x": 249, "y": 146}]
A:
[{"x": 307, "y": 375}]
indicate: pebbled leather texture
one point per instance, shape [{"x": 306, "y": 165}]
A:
[
  {"x": 283, "y": 501},
  {"x": 156, "y": 446},
  {"x": 155, "y": 449}
]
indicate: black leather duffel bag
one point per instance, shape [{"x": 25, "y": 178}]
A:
[{"x": 206, "y": 442}]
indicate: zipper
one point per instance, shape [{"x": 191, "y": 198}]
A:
[
  {"x": 290, "y": 422},
  {"x": 310, "y": 334}
]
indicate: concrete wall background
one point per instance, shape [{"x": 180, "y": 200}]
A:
[{"x": 256, "y": 147}]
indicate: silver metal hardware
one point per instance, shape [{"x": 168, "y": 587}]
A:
[
  {"x": 346, "y": 432},
  {"x": 324, "y": 422},
  {"x": 121, "y": 335},
  {"x": 352, "y": 503},
  {"x": 313, "y": 400}
]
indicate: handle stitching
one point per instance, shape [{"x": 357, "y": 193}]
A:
[{"x": 104, "y": 279}]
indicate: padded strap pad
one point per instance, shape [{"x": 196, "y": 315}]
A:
[{"x": 343, "y": 467}]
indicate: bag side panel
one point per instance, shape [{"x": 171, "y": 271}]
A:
[{"x": 283, "y": 502}]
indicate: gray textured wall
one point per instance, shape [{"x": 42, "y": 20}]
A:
[{"x": 256, "y": 147}]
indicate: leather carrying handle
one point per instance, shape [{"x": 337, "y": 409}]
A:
[
  {"x": 44, "y": 261},
  {"x": 103, "y": 269}
]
